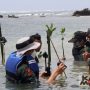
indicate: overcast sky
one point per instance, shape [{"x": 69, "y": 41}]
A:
[{"x": 42, "y": 5}]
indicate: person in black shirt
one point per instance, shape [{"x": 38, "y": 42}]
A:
[{"x": 78, "y": 41}]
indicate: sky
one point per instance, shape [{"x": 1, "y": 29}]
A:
[{"x": 43, "y": 5}]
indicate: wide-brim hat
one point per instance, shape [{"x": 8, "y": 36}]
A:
[{"x": 25, "y": 44}]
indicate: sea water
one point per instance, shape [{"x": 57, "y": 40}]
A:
[{"x": 15, "y": 28}]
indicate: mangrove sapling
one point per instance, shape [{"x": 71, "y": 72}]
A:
[
  {"x": 49, "y": 31},
  {"x": 2, "y": 43},
  {"x": 62, "y": 34}
]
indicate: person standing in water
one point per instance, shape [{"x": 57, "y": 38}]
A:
[{"x": 21, "y": 66}]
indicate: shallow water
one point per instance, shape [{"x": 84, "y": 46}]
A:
[{"x": 14, "y": 28}]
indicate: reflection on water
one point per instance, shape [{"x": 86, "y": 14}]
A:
[
  {"x": 80, "y": 66},
  {"x": 31, "y": 86}
]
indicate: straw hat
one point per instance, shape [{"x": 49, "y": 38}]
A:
[{"x": 25, "y": 44}]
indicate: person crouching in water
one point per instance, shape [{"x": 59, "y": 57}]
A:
[
  {"x": 21, "y": 67},
  {"x": 78, "y": 41}
]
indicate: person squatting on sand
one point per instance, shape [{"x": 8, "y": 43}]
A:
[{"x": 21, "y": 65}]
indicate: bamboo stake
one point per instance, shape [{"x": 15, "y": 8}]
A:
[{"x": 58, "y": 56}]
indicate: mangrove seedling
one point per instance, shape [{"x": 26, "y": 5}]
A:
[
  {"x": 49, "y": 31},
  {"x": 62, "y": 34}
]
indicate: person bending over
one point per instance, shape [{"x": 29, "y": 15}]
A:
[{"x": 21, "y": 67}]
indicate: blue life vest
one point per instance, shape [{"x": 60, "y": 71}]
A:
[
  {"x": 12, "y": 62},
  {"x": 33, "y": 64}
]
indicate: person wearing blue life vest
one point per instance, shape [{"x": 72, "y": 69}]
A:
[
  {"x": 21, "y": 66},
  {"x": 19, "y": 62}
]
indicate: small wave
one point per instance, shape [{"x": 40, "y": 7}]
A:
[{"x": 54, "y": 13}]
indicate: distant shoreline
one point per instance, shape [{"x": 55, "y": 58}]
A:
[
  {"x": 39, "y": 13},
  {"x": 84, "y": 12}
]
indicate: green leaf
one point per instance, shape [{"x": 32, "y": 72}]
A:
[
  {"x": 62, "y": 30},
  {"x": 47, "y": 26},
  {"x": 50, "y": 29},
  {"x": 53, "y": 29}
]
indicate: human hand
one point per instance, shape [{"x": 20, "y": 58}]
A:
[
  {"x": 44, "y": 75},
  {"x": 61, "y": 68},
  {"x": 58, "y": 70},
  {"x": 47, "y": 72},
  {"x": 60, "y": 63},
  {"x": 86, "y": 55}
]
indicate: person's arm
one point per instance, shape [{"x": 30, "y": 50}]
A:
[{"x": 58, "y": 70}]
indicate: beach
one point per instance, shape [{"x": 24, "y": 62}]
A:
[{"x": 26, "y": 25}]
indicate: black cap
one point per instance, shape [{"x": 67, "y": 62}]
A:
[{"x": 78, "y": 36}]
